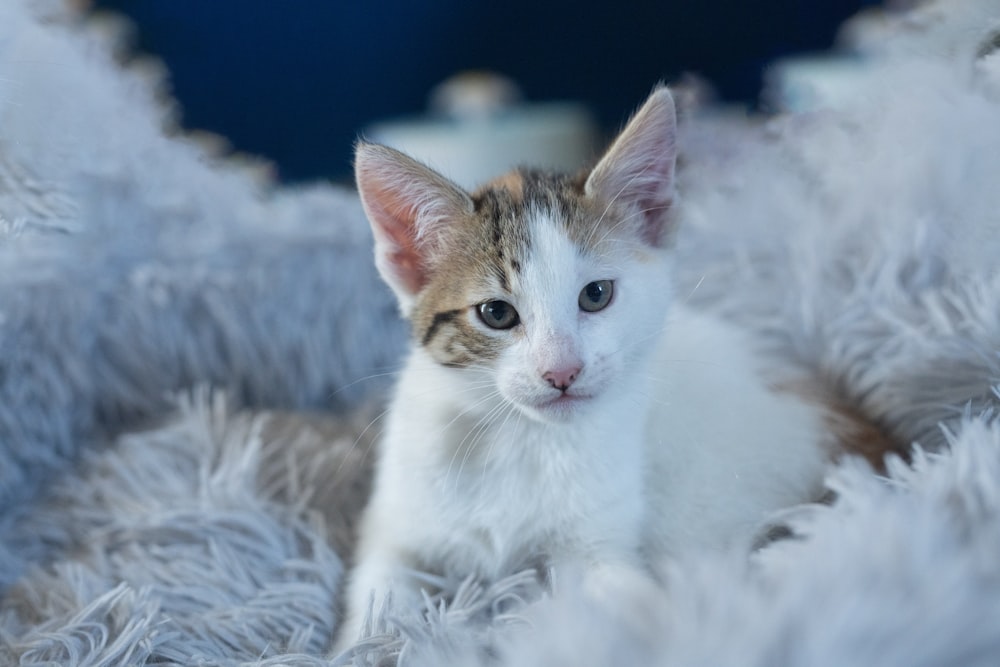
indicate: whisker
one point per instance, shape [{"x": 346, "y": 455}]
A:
[
  {"x": 478, "y": 431},
  {"x": 511, "y": 409},
  {"x": 694, "y": 289},
  {"x": 357, "y": 441},
  {"x": 470, "y": 408},
  {"x": 373, "y": 376}
]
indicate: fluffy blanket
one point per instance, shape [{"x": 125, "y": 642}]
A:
[{"x": 187, "y": 350}]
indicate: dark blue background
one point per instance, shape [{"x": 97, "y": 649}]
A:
[{"x": 295, "y": 80}]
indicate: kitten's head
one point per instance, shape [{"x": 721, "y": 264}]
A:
[{"x": 555, "y": 287}]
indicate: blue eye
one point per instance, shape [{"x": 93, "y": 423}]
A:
[
  {"x": 596, "y": 296},
  {"x": 498, "y": 314}
]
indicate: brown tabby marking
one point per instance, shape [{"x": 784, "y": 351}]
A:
[
  {"x": 852, "y": 432},
  {"x": 512, "y": 182},
  {"x": 856, "y": 434}
]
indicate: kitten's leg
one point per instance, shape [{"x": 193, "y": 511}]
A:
[
  {"x": 378, "y": 584},
  {"x": 618, "y": 585}
]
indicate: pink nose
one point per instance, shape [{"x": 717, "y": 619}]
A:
[{"x": 562, "y": 378}]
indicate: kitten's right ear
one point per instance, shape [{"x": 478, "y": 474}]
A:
[{"x": 410, "y": 207}]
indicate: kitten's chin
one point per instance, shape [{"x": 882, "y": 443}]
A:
[{"x": 562, "y": 408}]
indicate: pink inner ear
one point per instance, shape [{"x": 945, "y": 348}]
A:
[
  {"x": 645, "y": 183},
  {"x": 638, "y": 169},
  {"x": 655, "y": 209},
  {"x": 394, "y": 226},
  {"x": 409, "y": 270}
]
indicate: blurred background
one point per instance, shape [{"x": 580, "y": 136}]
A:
[{"x": 296, "y": 82}]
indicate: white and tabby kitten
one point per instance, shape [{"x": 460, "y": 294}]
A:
[{"x": 557, "y": 402}]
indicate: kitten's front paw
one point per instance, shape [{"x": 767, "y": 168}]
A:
[
  {"x": 379, "y": 590},
  {"x": 626, "y": 593},
  {"x": 374, "y": 623}
]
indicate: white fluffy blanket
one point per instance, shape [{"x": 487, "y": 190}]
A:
[{"x": 136, "y": 527}]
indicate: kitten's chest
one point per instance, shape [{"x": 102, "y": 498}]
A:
[
  {"x": 521, "y": 480},
  {"x": 520, "y": 493}
]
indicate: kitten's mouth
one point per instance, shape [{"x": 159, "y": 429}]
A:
[{"x": 563, "y": 403}]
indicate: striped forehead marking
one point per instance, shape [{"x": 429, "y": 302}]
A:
[{"x": 494, "y": 246}]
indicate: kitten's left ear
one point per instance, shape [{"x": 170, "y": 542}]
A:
[{"x": 637, "y": 172}]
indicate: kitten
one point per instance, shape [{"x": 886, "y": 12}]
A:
[{"x": 558, "y": 402}]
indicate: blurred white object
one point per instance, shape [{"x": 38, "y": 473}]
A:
[
  {"x": 478, "y": 130},
  {"x": 474, "y": 93},
  {"x": 965, "y": 33},
  {"x": 808, "y": 83}
]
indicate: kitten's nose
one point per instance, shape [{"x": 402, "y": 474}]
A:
[{"x": 562, "y": 378}]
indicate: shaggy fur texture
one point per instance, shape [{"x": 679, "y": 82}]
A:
[
  {"x": 137, "y": 262},
  {"x": 860, "y": 242}
]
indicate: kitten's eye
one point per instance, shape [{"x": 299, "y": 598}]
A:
[
  {"x": 596, "y": 295},
  {"x": 498, "y": 314}
]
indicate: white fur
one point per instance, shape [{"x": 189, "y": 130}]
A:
[
  {"x": 477, "y": 476},
  {"x": 723, "y": 450}
]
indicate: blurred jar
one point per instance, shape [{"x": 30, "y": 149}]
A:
[{"x": 478, "y": 127}]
